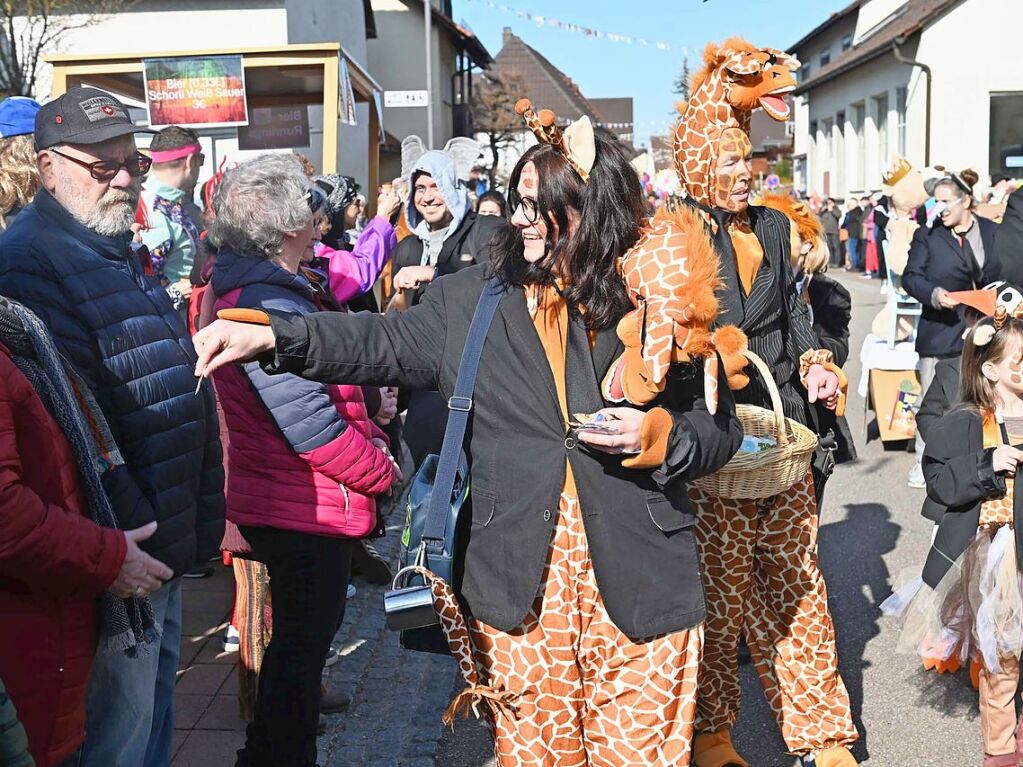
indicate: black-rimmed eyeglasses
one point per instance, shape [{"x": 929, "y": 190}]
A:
[
  {"x": 529, "y": 208},
  {"x": 104, "y": 170}
]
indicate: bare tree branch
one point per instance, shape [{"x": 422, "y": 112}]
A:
[
  {"x": 31, "y": 29},
  {"x": 494, "y": 114}
]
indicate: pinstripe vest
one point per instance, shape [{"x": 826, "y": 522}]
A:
[{"x": 776, "y": 333}]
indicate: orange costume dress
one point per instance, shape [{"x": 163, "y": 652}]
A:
[{"x": 584, "y": 693}]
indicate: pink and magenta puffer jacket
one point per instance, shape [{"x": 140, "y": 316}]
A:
[{"x": 300, "y": 456}]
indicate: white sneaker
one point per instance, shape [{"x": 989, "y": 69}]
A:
[
  {"x": 916, "y": 478},
  {"x": 231, "y": 640},
  {"x": 332, "y": 657},
  {"x": 351, "y": 592}
]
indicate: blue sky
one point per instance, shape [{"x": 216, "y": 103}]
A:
[{"x": 603, "y": 68}]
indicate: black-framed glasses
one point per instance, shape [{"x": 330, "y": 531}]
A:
[
  {"x": 104, "y": 170},
  {"x": 529, "y": 207}
]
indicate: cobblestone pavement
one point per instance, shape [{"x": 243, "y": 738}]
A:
[
  {"x": 870, "y": 531},
  {"x": 397, "y": 696}
]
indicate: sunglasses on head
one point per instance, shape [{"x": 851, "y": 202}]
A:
[
  {"x": 315, "y": 199},
  {"x": 137, "y": 165}
]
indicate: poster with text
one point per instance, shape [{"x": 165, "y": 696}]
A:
[
  {"x": 203, "y": 91},
  {"x": 275, "y": 128}
]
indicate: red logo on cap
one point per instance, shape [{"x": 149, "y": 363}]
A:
[
  {"x": 108, "y": 110},
  {"x": 58, "y": 119}
]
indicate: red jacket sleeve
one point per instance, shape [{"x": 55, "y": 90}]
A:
[
  {"x": 355, "y": 462},
  {"x": 49, "y": 548}
]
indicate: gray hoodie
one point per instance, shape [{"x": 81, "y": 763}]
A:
[{"x": 441, "y": 168}]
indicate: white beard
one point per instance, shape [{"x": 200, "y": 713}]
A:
[
  {"x": 111, "y": 218},
  {"x": 113, "y": 215}
]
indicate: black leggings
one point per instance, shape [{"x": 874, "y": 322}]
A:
[{"x": 308, "y": 581}]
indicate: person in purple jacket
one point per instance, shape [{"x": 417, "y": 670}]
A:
[{"x": 353, "y": 264}]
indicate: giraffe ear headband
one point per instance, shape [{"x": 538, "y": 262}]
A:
[
  {"x": 983, "y": 333},
  {"x": 576, "y": 143}
]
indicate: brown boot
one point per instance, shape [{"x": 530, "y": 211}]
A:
[
  {"x": 715, "y": 749},
  {"x": 837, "y": 756}
]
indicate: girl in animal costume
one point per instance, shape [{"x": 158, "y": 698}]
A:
[
  {"x": 967, "y": 603},
  {"x": 760, "y": 556}
]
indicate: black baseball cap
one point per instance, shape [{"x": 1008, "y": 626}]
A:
[{"x": 83, "y": 116}]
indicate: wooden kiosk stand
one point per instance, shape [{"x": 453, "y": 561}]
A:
[{"x": 281, "y": 76}]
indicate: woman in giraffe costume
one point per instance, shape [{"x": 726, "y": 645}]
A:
[
  {"x": 760, "y": 556},
  {"x": 584, "y": 604}
]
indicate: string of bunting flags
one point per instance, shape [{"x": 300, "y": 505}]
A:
[{"x": 578, "y": 29}]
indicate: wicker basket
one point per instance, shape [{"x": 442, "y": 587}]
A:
[{"x": 772, "y": 471}]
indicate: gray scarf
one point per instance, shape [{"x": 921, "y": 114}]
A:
[{"x": 127, "y": 624}]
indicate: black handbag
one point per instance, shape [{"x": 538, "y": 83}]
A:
[{"x": 438, "y": 493}]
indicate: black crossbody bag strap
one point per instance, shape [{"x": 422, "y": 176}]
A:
[{"x": 459, "y": 408}]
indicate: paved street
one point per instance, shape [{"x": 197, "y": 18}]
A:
[{"x": 871, "y": 530}]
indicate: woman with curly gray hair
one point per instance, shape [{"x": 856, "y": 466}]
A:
[
  {"x": 19, "y": 178},
  {"x": 304, "y": 460}
]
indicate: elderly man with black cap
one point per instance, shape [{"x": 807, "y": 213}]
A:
[{"x": 69, "y": 257}]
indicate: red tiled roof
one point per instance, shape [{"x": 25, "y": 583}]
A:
[{"x": 542, "y": 82}]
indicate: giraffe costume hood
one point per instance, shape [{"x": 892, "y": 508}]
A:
[
  {"x": 671, "y": 273},
  {"x": 736, "y": 78}
]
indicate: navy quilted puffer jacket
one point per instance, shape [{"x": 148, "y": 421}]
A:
[{"x": 129, "y": 344}]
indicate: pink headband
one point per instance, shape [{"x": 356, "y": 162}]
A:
[{"x": 175, "y": 154}]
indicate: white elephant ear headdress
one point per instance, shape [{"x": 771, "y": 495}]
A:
[
  {"x": 576, "y": 143},
  {"x": 463, "y": 153},
  {"x": 412, "y": 148}
]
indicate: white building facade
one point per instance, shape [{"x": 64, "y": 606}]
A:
[{"x": 857, "y": 105}]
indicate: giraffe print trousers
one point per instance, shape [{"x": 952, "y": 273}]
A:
[
  {"x": 762, "y": 579},
  {"x": 586, "y": 694}
]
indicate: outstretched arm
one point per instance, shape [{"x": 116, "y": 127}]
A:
[{"x": 398, "y": 349}]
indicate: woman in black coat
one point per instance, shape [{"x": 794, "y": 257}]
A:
[
  {"x": 581, "y": 569},
  {"x": 957, "y": 254}
]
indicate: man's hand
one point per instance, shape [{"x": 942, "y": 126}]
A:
[
  {"x": 411, "y": 277},
  {"x": 822, "y": 384},
  {"x": 388, "y": 406},
  {"x": 223, "y": 342},
  {"x": 140, "y": 574},
  {"x": 945, "y": 300}
]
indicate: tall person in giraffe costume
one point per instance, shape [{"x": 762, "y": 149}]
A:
[{"x": 760, "y": 556}]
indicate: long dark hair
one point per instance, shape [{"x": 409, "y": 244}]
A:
[
  {"x": 611, "y": 212},
  {"x": 975, "y": 388}
]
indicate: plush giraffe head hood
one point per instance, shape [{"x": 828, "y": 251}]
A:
[{"x": 736, "y": 78}]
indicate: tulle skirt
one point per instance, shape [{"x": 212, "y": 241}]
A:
[{"x": 976, "y": 610}]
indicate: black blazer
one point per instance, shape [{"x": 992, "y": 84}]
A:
[
  {"x": 941, "y": 396},
  {"x": 465, "y": 247},
  {"x": 936, "y": 259},
  {"x": 773, "y": 316},
  {"x": 960, "y": 475},
  {"x": 1009, "y": 240},
  {"x": 639, "y": 524},
  {"x": 832, "y": 313}
]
